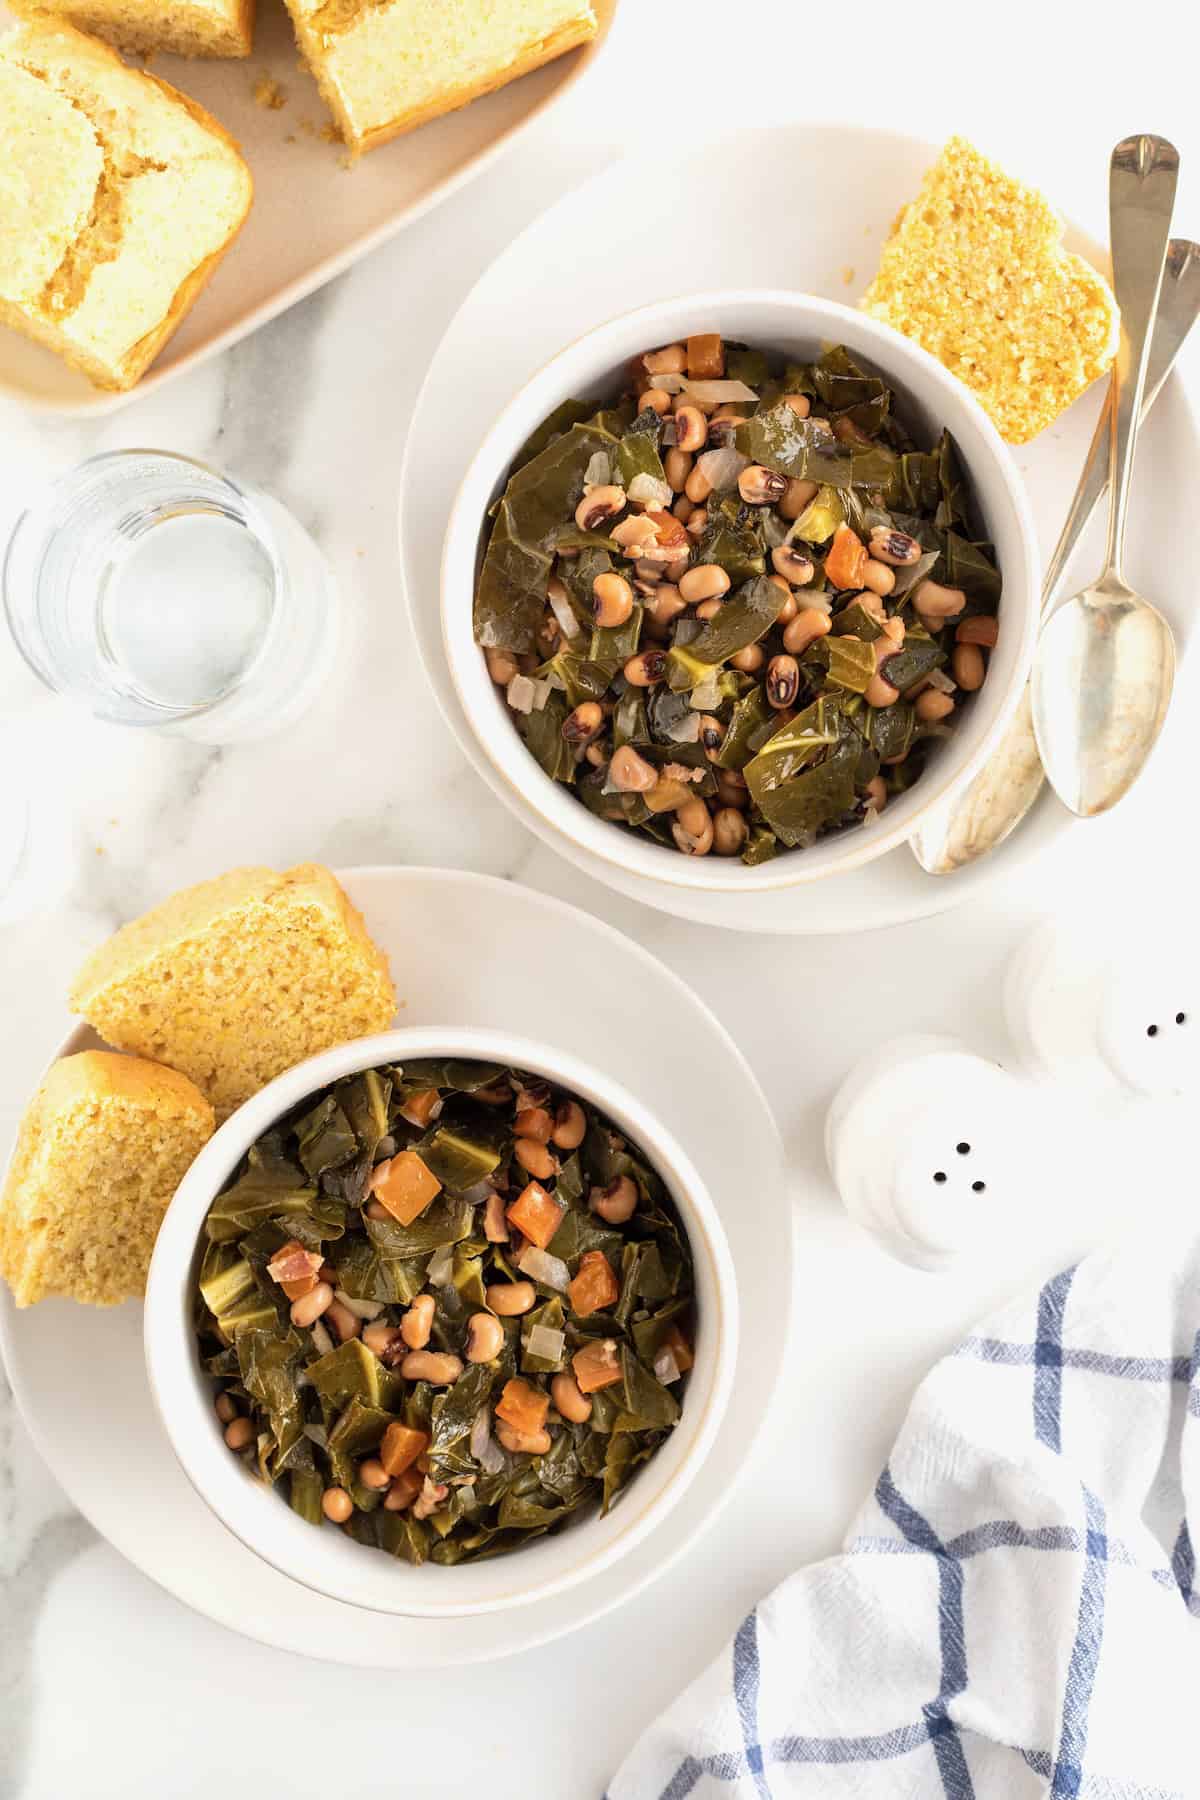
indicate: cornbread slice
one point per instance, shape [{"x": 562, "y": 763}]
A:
[
  {"x": 118, "y": 197},
  {"x": 975, "y": 272},
  {"x": 178, "y": 27},
  {"x": 237, "y": 979},
  {"x": 103, "y": 1145},
  {"x": 385, "y": 66}
]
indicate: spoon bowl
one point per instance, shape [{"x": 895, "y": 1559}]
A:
[{"x": 1101, "y": 689}]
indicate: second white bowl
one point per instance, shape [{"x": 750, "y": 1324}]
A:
[{"x": 324, "y": 1558}]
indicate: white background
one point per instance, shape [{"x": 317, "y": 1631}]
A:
[{"x": 107, "y": 1686}]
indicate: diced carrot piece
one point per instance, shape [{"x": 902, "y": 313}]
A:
[
  {"x": 523, "y": 1407},
  {"x": 536, "y": 1213},
  {"x": 405, "y": 1186},
  {"x": 418, "y": 1109},
  {"x": 596, "y": 1365},
  {"x": 595, "y": 1286},
  {"x": 681, "y": 1350},
  {"x": 401, "y": 1447},
  {"x": 847, "y": 559},
  {"x": 295, "y": 1269},
  {"x": 705, "y": 356}
]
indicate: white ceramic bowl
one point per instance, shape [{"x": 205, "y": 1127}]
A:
[
  {"x": 324, "y": 1558},
  {"x": 795, "y": 325}
]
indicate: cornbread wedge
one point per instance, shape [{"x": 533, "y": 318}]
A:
[
  {"x": 237, "y": 979},
  {"x": 103, "y": 1145},
  {"x": 177, "y": 27},
  {"x": 385, "y": 66},
  {"x": 975, "y": 272},
  {"x": 118, "y": 197}
]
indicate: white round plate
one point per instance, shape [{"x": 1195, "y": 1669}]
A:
[
  {"x": 463, "y": 949},
  {"x": 817, "y": 225}
]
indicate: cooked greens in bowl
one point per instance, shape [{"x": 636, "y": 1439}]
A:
[
  {"x": 735, "y": 609},
  {"x": 447, "y": 1306}
]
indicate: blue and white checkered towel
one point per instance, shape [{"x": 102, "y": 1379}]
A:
[{"x": 1013, "y": 1615}]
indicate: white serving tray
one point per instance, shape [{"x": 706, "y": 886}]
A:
[{"x": 312, "y": 215}]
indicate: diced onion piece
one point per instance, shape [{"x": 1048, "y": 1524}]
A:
[
  {"x": 441, "y": 1267},
  {"x": 937, "y": 678},
  {"x": 478, "y": 1195},
  {"x": 648, "y": 490},
  {"x": 362, "y": 1309},
  {"x": 687, "y": 730},
  {"x": 539, "y": 1265},
  {"x": 545, "y": 1342},
  {"x": 541, "y": 693},
  {"x": 598, "y": 472},
  {"x": 669, "y": 383},
  {"x": 706, "y": 696},
  {"x": 521, "y": 693},
  {"x": 560, "y": 606},
  {"x": 719, "y": 393},
  {"x": 321, "y": 1338},
  {"x": 483, "y": 1446},
  {"x": 666, "y": 1369},
  {"x": 722, "y": 467}
]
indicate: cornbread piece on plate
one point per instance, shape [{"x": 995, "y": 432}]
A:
[
  {"x": 103, "y": 1145},
  {"x": 239, "y": 978},
  {"x": 179, "y": 27},
  {"x": 118, "y": 197},
  {"x": 975, "y": 272},
  {"x": 385, "y": 66}
]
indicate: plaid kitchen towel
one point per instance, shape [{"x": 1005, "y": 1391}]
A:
[{"x": 1014, "y": 1614}]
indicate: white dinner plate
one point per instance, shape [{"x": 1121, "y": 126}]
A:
[
  {"x": 466, "y": 950},
  {"x": 312, "y": 216},
  {"x": 713, "y": 220}
]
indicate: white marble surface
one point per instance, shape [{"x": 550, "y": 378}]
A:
[{"x": 107, "y": 1686}]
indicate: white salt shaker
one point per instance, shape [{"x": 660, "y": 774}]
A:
[
  {"x": 1108, "y": 1010},
  {"x": 920, "y": 1140}
]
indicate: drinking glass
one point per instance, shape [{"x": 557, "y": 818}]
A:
[{"x": 159, "y": 593}]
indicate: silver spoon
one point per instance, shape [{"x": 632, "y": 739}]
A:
[
  {"x": 1105, "y": 664},
  {"x": 978, "y": 817}
]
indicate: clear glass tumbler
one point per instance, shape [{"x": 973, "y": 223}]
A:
[{"x": 157, "y": 592}]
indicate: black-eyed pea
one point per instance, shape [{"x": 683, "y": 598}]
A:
[
  {"x": 796, "y": 568},
  {"x": 983, "y": 629},
  {"x": 697, "y": 487},
  {"x": 612, "y": 600},
  {"x": 712, "y": 735},
  {"x": 616, "y": 1203},
  {"x": 732, "y": 789},
  {"x": 730, "y": 831},
  {"x": 535, "y": 1159},
  {"x": 570, "y": 1125},
  {"x": 935, "y": 604},
  {"x": 706, "y": 581},
  {"x": 501, "y": 666},
  {"x": 226, "y": 1408},
  {"x": 761, "y": 487},
  {"x": 510, "y": 1299},
  {"x": 485, "y": 1337},
  {"x": 373, "y": 1475},
  {"x": 933, "y": 705},
  {"x": 669, "y": 361},
  {"x": 581, "y": 726},
  {"x": 693, "y": 828},
  {"x": 782, "y": 682},
  {"x": 342, "y": 1322},
  {"x": 887, "y": 545},
  {"x": 968, "y": 666},
  {"x": 416, "y": 1327},
  {"x": 433, "y": 1366},
  {"x": 708, "y": 609},
  {"x": 657, "y": 399},
  {"x": 800, "y": 404},
  {"x": 748, "y": 661},
  {"x": 646, "y": 669},
  {"x": 878, "y": 577},
  {"x": 696, "y": 526},
  {"x": 529, "y": 1443},
  {"x": 880, "y": 692},
  {"x": 569, "y": 1400},
  {"x": 599, "y": 504},
  {"x": 677, "y": 466},
  {"x": 337, "y": 1505},
  {"x": 691, "y": 429},
  {"x": 240, "y": 1434},
  {"x": 805, "y": 629}
]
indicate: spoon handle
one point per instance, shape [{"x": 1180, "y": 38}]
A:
[
  {"x": 1179, "y": 305},
  {"x": 1143, "y": 175}
]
